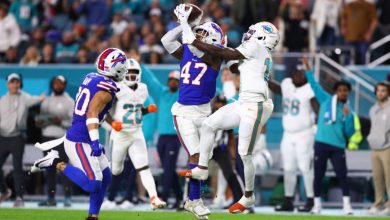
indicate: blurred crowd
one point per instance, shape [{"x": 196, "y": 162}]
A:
[{"x": 75, "y": 31}]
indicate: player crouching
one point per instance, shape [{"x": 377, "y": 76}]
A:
[{"x": 127, "y": 136}]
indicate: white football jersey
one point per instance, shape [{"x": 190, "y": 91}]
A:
[
  {"x": 255, "y": 71},
  {"x": 298, "y": 114},
  {"x": 129, "y": 104}
]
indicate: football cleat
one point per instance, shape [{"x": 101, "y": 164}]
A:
[
  {"x": 107, "y": 204},
  {"x": 126, "y": 205},
  {"x": 197, "y": 208},
  {"x": 308, "y": 206},
  {"x": 45, "y": 162},
  {"x": 286, "y": 206},
  {"x": 157, "y": 203},
  {"x": 243, "y": 204},
  {"x": 196, "y": 173}
]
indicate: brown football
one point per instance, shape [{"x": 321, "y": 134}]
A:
[{"x": 195, "y": 13}]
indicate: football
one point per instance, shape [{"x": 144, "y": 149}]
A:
[{"x": 195, "y": 13}]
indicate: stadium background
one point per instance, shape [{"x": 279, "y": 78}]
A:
[{"x": 77, "y": 35}]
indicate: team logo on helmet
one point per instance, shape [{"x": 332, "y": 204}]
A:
[
  {"x": 267, "y": 29},
  {"x": 216, "y": 28},
  {"x": 120, "y": 59}
]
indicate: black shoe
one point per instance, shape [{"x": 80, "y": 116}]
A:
[
  {"x": 286, "y": 206},
  {"x": 307, "y": 207},
  {"x": 48, "y": 203},
  {"x": 91, "y": 218}
]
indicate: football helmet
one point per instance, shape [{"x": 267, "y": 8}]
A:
[
  {"x": 265, "y": 33},
  {"x": 134, "y": 72},
  {"x": 263, "y": 161},
  {"x": 112, "y": 63},
  {"x": 210, "y": 32}
]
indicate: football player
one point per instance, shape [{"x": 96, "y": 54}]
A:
[
  {"x": 198, "y": 73},
  {"x": 88, "y": 164},
  {"x": 298, "y": 136},
  {"x": 127, "y": 136},
  {"x": 253, "y": 61}
]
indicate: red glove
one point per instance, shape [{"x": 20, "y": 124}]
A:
[
  {"x": 116, "y": 125},
  {"x": 152, "y": 108}
]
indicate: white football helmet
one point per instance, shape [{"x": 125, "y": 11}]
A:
[
  {"x": 210, "y": 32},
  {"x": 134, "y": 72},
  {"x": 112, "y": 63},
  {"x": 265, "y": 33},
  {"x": 263, "y": 161}
]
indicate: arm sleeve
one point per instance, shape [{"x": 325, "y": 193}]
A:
[
  {"x": 249, "y": 49},
  {"x": 169, "y": 40},
  {"x": 319, "y": 92},
  {"x": 154, "y": 86}
]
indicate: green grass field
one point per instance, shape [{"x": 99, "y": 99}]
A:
[{"x": 41, "y": 214}]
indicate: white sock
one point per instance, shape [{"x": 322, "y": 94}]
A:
[
  {"x": 148, "y": 182},
  {"x": 346, "y": 201},
  {"x": 308, "y": 178},
  {"x": 222, "y": 184},
  {"x": 249, "y": 172},
  {"x": 290, "y": 182},
  {"x": 317, "y": 202},
  {"x": 207, "y": 137}
]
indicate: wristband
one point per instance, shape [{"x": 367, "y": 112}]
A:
[
  {"x": 92, "y": 121},
  {"x": 94, "y": 134}
]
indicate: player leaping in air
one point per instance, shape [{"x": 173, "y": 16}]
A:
[
  {"x": 199, "y": 71},
  {"x": 88, "y": 165},
  {"x": 250, "y": 112},
  {"x": 127, "y": 136}
]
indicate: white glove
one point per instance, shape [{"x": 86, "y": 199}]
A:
[
  {"x": 188, "y": 36},
  {"x": 182, "y": 14}
]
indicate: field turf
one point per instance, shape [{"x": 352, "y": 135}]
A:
[{"x": 47, "y": 214}]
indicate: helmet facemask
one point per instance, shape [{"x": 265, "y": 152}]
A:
[{"x": 132, "y": 77}]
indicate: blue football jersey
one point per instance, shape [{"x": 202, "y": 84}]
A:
[
  {"x": 92, "y": 84},
  {"x": 197, "y": 80}
]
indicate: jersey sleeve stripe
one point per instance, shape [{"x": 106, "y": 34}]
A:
[
  {"x": 107, "y": 84},
  {"x": 103, "y": 87}
]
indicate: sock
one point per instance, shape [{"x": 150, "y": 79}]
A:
[
  {"x": 290, "y": 182},
  {"x": 78, "y": 176},
  {"x": 346, "y": 201},
  {"x": 317, "y": 202},
  {"x": 308, "y": 179},
  {"x": 115, "y": 185},
  {"x": 96, "y": 198},
  {"x": 249, "y": 172},
  {"x": 194, "y": 186},
  {"x": 148, "y": 182},
  {"x": 207, "y": 137},
  {"x": 222, "y": 185}
]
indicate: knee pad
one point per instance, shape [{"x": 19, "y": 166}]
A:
[
  {"x": 116, "y": 169},
  {"x": 207, "y": 126}
]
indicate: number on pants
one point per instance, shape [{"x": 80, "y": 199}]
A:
[
  {"x": 82, "y": 93},
  {"x": 128, "y": 118},
  {"x": 185, "y": 73}
]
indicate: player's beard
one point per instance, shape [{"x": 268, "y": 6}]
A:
[{"x": 59, "y": 92}]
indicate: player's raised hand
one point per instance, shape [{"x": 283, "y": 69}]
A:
[
  {"x": 152, "y": 108},
  {"x": 182, "y": 13},
  {"x": 116, "y": 125},
  {"x": 305, "y": 62},
  {"x": 97, "y": 148}
]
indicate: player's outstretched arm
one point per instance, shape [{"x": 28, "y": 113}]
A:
[
  {"x": 225, "y": 53},
  {"x": 171, "y": 44}
]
